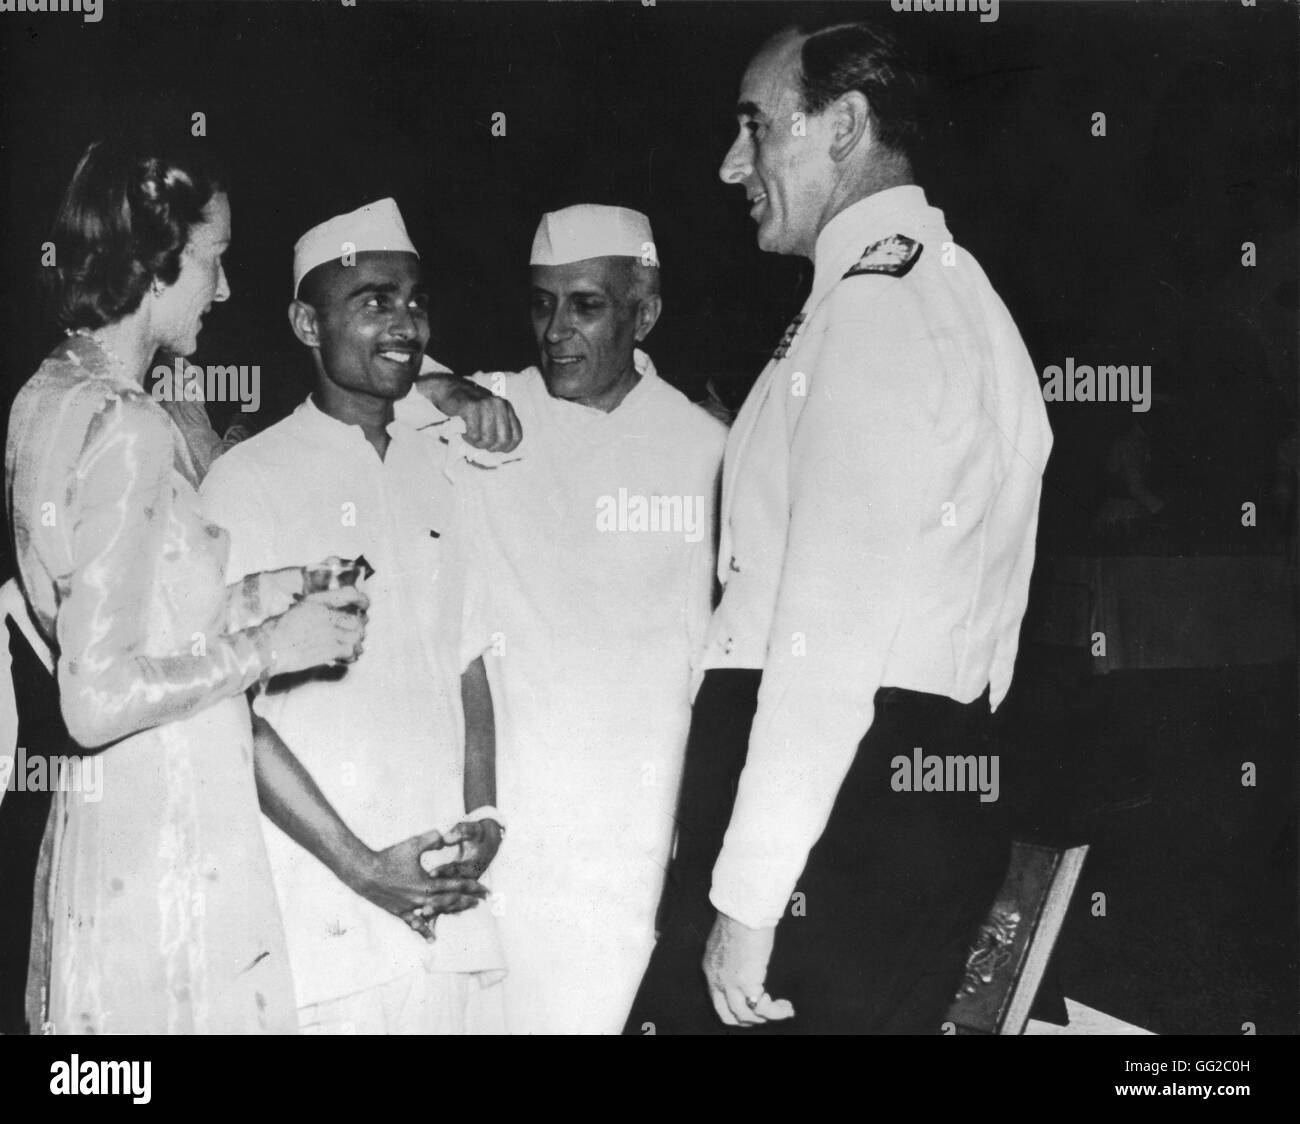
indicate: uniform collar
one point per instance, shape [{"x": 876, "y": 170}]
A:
[{"x": 896, "y": 210}]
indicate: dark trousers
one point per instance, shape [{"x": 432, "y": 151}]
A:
[{"x": 875, "y": 940}]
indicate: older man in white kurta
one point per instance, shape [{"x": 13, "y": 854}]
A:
[{"x": 596, "y": 549}]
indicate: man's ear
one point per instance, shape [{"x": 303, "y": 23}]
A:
[
  {"x": 647, "y": 316},
  {"x": 851, "y": 125},
  {"x": 305, "y": 323}
]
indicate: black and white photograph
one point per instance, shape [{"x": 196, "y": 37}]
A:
[{"x": 650, "y": 518}]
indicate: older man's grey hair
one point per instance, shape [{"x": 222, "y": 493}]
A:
[{"x": 641, "y": 280}]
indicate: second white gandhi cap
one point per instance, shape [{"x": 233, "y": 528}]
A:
[
  {"x": 376, "y": 226},
  {"x": 589, "y": 230}
]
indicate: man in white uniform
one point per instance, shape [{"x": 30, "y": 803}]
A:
[
  {"x": 400, "y": 742},
  {"x": 880, "y": 503},
  {"x": 596, "y": 552}
]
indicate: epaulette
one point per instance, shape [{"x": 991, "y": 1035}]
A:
[{"x": 893, "y": 256}]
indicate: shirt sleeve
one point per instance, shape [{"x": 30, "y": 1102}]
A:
[
  {"x": 109, "y": 686},
  {"x": 476, "y": 614},
  {"x": 860, "y": 495},
  {"x": 231, "y": 498},
  {"x": 1013, "y": 609}
]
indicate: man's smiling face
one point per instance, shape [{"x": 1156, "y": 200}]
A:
[
  {"x": 586, "y": 322},
  {"x": 787, "y": 177},
  {"x": 372, "y": 321}
]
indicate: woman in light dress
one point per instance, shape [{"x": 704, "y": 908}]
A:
[{"x": 158, "y": 915}]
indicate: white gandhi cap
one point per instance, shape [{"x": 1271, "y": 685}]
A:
[
  {"x": 376, "y": 226},
  {"x": 589, "y": 230}
]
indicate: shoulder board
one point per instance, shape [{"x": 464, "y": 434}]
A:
[{"x": 893, "y": 256}]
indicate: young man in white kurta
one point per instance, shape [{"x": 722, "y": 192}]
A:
[
  {"x": 597, "y": 594},
  {"x": 359, "y": 470},
  {"x": 385, "y": 741}
]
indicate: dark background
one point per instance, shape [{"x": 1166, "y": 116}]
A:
[{"x": 1123, "y": 249}]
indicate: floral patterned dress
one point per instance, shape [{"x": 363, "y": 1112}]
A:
[{"x": 155, "y": 907}]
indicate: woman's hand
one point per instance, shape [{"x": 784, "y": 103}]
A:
[
  {"x": 279, "y": 590},
  {"x": 322, "y": 629}
]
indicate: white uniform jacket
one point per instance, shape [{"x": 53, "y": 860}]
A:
[{"x": 880, "y": 504}]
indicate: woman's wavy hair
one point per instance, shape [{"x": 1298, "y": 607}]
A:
[{"x": 124, "y": 222}]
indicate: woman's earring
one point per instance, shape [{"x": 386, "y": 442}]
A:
[{"x": 156, "y": 287}]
